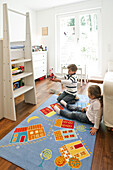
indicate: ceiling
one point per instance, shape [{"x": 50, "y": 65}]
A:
[{"x": 44, "y": 4}]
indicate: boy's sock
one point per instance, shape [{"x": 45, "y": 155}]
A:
[
  {"x": 57, "y": 109},
  {"x": 63, "y": 103}
]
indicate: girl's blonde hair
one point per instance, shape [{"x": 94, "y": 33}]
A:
[{"x": 95, "y": 90}]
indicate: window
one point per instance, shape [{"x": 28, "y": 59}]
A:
[{"x": 78, "y": 40}]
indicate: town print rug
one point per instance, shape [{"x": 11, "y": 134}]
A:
[{"x": 45, "y": 140}]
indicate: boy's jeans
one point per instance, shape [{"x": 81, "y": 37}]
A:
[{"x": 66, "y": 97}]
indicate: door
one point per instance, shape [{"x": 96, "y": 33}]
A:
[{"x": 78, "y": 40}]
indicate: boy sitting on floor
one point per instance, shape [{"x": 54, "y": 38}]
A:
[{"x": 70, "y": 82}]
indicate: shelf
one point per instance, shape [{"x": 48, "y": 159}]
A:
[
  {"x": 22, "y": 90},
  {"x": 20, "y": 61},
  {"x": 21, "y": 75},
  {"x": 17, "y": 56}
]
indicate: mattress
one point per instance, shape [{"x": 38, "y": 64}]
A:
[{"x": 17, "y": 47}]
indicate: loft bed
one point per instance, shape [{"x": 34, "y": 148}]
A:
[{"x": 16, "y": 53}]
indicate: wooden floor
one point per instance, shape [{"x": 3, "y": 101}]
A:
[{"x": 103, "y": 152}]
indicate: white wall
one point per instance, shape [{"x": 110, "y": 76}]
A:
[
  {"x": 23, "y": 9},
  {"x": 46, "y": 18}
]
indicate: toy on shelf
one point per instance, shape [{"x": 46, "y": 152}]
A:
[
  {"x": 17, "y": 84},
  {"x": 21, "y": 83},
  {"x": 22, "y": 68},
  {"x": 38, "y": 48},
  {"x": 17, "y": 70},
  {"x": 14, "y": 72}
]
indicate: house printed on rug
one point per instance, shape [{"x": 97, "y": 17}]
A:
[{"x": 29, "y": 133}]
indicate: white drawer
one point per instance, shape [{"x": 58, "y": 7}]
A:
[
  {"x": 39, "y": 73},
  {"x": 41, "y": 63},
  {"x": 39, "y": 57},
  {"x": 40, "y": 69}
]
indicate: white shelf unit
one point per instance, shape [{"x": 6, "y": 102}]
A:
[
  {"x": 22, "y": 90},
  {"x": 20, "y": 61},
  {"x": 40, "y": 64},
  {"x": 1, "y": 79},
  {"x": 16, "y": 56},
  {"x": 22, "y": 75}
]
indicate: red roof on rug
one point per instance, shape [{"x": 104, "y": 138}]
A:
[{"x": 22, "y": 129}]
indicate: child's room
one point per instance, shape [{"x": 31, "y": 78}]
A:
[{"x": 56, "y": 87}]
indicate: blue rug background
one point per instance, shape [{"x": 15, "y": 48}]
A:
[{"x": 27, "y": 155}]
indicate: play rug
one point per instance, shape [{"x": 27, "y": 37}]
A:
[{"x": 47, "y": 141}]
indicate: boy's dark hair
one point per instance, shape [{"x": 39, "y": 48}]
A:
[{"x": 72, "y": 67}]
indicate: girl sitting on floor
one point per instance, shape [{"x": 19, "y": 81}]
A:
[{"x": 93, "y": 114}]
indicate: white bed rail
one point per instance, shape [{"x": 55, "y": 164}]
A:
[{"x": 16, "y": 12}]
